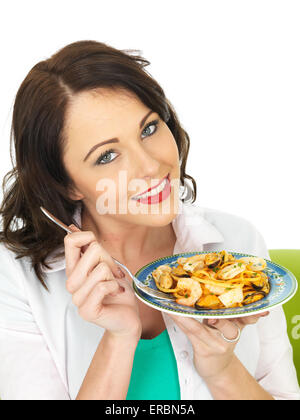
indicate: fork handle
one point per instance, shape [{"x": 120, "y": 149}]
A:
[
  {"x": 140, "y": 285},
  {"x": 137, "y": 281}
]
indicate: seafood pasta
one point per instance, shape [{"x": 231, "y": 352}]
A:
[{"x": 214, "y": 281}]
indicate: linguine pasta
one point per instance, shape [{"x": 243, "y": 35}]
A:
[{"x": 215, "y": 280}]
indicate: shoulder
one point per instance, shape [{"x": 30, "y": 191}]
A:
[
  {"x": 239, "y": 233},
  {"x": 227, "y": 221},
  {"x": 9, "y": 262},
  {"x": 15, "y": 311},
  {"x": 13, "y": 271},
  {"x": 220, "y": 219}
]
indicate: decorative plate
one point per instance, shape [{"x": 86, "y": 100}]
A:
[{"x": 283, "y": 287}]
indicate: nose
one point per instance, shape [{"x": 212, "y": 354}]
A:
[{"x": 145, "y": 165}]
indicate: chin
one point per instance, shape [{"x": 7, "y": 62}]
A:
[{"x": 154, "y": 220}]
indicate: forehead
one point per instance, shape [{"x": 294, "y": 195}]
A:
[
  {"x": 100, "y": 114},
  {"x": 102, "y": 105}
]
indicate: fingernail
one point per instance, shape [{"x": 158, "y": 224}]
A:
[
  {"x": 121, "y": 290},
  {"x": 73, "y": 227},
  {"x": 121, "y": 273},
  {"x": 212, "y": 321}
]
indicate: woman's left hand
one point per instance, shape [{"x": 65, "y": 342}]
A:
[{"x": 212, "y": 354}]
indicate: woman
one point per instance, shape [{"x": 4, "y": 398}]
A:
[{"x": 70, "y": 324}]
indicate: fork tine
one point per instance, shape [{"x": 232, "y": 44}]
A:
[
  {"x": 154, "y": 293},
  {"x": 140, "y": 285}
]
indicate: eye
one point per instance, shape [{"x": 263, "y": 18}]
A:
[
  {"x": 102, "y": 160},
  {"x": 151, "y": 124}
]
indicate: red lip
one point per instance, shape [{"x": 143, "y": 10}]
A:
[{"x": 152, "y": 188}]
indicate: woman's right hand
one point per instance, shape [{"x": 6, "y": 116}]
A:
[{"x": 102, "y": 298}]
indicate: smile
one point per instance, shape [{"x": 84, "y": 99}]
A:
[{"x": 156, "y": 194}]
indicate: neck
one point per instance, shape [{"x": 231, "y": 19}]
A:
[{"x": 127, "y": 242}]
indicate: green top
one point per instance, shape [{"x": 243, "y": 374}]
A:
[{"x": 154, "y": 373}]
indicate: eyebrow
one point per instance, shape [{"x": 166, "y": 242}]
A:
[{"x": 115, "y": 139}]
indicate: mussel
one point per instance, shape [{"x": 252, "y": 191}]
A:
[
  {"x": 208, "y": 302},
  {"x": 258, "y": 284},
  {"x": 197, "y": 257},
  {"x": 262, "y": 284},
  {"x": 267, "y": 287},
  {"x": 254, "y": 263},
  {"x": 213, "y": 259},
  {"x": 252, "y": 297},
  {"x": 179, "y": 272},
  {"x": 166, "y": 281},
  {"x": 225, "y": 257},
  {"x": 192, "y": 266},
  {"x": 160, "y": 270}
]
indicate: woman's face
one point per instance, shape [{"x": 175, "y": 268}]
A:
[{"x": 107, "y": 176}]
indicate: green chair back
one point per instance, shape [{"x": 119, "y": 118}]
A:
[{"x": 290, "y": 259}]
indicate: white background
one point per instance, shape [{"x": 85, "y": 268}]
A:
[{"x": 230, "y": 68}]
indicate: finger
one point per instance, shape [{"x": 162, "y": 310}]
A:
[
  {"x": 74, "y": 228},
  {"x": 93, "y": 306},
  {"x": 183, "y": 323},
  {"x": 85, "y": 265},
  {"x": 115, "y": 269},
  {"x": 198, "y": 332},
  {"x": 262, "y": 315},
  {"x": 251, "y": 319},
  {"x": 101, "y": 273},
  {"x": 226, "y": 327},
  {"x": 189, "y": 325},
  {"x": 78, "y": 242},
  {"x": 73, "y": 243}
]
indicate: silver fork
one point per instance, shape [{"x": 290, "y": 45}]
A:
[
  {"x": 140, "y": 285},
  {"x": 146, "y": 289}
]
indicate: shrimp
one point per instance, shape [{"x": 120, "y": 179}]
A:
[{"x": 192, "y": 289}]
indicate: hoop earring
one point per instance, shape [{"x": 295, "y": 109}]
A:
[{"x": 185, "y": 193}]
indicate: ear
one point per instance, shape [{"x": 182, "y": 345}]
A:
[{"x": 75, "y": 195}]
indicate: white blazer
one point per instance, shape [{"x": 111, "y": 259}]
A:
[{"x": 46, "y": 347}]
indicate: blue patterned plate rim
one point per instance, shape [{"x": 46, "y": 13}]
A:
[{"x": 217, "y": 313}]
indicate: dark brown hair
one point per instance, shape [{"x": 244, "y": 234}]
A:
[{"x": 38, "y": 177}]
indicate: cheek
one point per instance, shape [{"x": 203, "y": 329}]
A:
[
  {"x": 92, "y": 185},
  {"x": 166, "y": 149},
  {"x": 89, "y": 190},
  {"x": 173, "y": 159},
  {"x": 173, "y": 148},
  {"x": 172, "y": 151}
]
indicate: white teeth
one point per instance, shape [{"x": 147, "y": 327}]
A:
[{"x": 154, "y": 191}]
